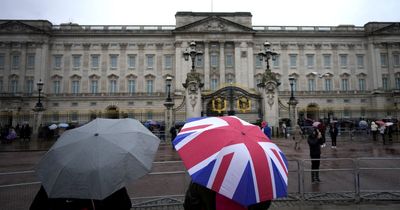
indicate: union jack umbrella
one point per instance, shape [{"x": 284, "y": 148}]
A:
[{"x": 234, "y": 158}]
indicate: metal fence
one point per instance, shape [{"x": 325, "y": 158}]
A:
[{"x": 343, "y": 179}]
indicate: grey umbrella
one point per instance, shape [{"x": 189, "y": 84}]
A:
[{"x": 95, "y": 160}]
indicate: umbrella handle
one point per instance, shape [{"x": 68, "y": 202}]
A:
[{"x": 93, "y": 207}]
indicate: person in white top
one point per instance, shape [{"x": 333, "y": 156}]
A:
[{"x": 374, "y": 130}]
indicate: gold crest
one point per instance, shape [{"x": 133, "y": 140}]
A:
[
  {"x": 243, "y": 104},
  {"x": 218, "y": 104}
]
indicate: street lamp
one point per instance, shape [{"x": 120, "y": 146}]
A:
[
  {"x": 168, "y": 80},
  {"x": 168, "y": 104},
  {"x": 39, "y": 106},
  {"x": 192, "y": 52},
  {"x": 292, "y": 103},
  {"x": 267, "y": 54}
]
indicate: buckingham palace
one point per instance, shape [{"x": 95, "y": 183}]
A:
[{"x": 74, "y": 73}]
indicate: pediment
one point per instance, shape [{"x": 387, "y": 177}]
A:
[
  {"x": 393, "y": 28},
  {"x": 15, "y": 26},
  {"x": 214, "y": 24}
]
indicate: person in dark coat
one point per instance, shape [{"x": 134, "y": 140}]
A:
[
  {"x": 118, "y": 200},
  {"x": 333, "y": 132},
  {"x": 173, "y": 133},
  {"x": 314, "y": 142},
  {"x": 199, "y": 197}
]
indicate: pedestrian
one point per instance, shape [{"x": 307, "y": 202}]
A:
[
  {"x": 314, "y": 142},
  {"x": 199, "y": 197},
  {"x": 322, "y": 129},
  {"x": 266, "y": 129},
  {"x": 173, "y": 133},
  {"x": 297, "y": 137},
  {"x": 382, "y": 129},
  {"x": 284, "y": 130},
  {"x": 333, "y": 132},
  {"x": 118, "y": 200},
  {"x": 374, "y": 130}
]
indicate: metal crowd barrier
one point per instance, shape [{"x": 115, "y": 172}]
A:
[{"x": 343, "y": 179}]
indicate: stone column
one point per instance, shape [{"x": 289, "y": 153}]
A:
[
  {"x": 206, "y": 58},
  {"x": 193, "y": 95},
  {"x": 221, "y": 62}
]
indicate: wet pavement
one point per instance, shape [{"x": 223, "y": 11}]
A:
[{"x": 169, "y": 178}]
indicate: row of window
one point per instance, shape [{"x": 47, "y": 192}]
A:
[
  {"x": 214, "y": 85},
  {"x": 327, "y": 60},
  {"x": 214, "y": 61},
  {"x": 16, "y": 61}
]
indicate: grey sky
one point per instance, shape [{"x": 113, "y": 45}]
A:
[{"x": 162, "y": 12}]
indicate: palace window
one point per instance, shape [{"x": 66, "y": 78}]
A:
[
  {"x": 396, "y": 59},
  {"x": 131, "y": 61},
  {"x": 113, "y": 86},
  {"x": 258, "y": 61},
  {"x": 214, "y": 84},
  {"x": 276, "y": 62},
  {"x": 360, "y": 61},
  {"x": 214, "y": 60},
  {"x": 149, "y": 86},
  {"x": 94, "y": 86},
  {"x": 114, "y": 61},
  {"x": 2, "y": 59},
  {"x": 14, "y": 85},
  {"x": 310, "y": 61},
  {"x": 75, "y": 87},
  {"x": 56, "y": 87},
  {"x": 30, "y": 63},
  {"x": 29, "y": 86},
  {"x": 328, "y": 84},
  {"x": 131, "y": 86},
  {"x": 199, "y": 61},
  {"x": 57, "y": 60},
  {"x": 361, "y": 84},
  {"x": 343, "y": 60},
  {"x": 327, "y": 61},
  {"x": 168, "y": 61},
  {"x": 150, "y": 61},
  {"x": 15, "y": 61},
  {"x": 95, "y": 61},
  {"x": 76, "y": 61},
  {"x": 385, "y": 84},
  {"x": 229, "y": 60},
  {"x": 293, "y": 60},
  {"x": 345, "y": 84},
  {"x": 384, "y": 60},
  {"x": 311, "y": 84}
]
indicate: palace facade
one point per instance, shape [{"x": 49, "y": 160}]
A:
[{"x": 90, "y": 71}]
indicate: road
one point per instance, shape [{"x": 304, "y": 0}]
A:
[{"x": 19, "y": 184}]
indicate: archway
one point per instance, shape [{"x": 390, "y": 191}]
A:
[
  {"x": 313, "y": 112},
  {"x": 112, "y": 112}
]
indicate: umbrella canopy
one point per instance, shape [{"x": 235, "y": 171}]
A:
[
  {"x": 52, "y": 126},
  {"x": 380, "y": 122},
  {"x": 95, "y": 160},
  {"x": 234, "y": 158},
  {"x": 63, "y": 125},
  {"x": 316, "y": 123},
  {"x": 388, "y": 123}
]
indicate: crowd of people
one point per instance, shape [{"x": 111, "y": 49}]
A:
[{"x": 8, "y": 133}]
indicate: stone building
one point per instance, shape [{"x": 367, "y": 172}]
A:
[{"x": 89, "y": 71}]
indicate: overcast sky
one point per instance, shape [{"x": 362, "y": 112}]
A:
[{"x": 162, "y": 12}]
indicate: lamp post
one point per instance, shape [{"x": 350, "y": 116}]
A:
[
  {"x": 267, "y": 54},
  {"x": 169, "y": 103},
  {"x": 192, "y": 84},
  {"x": 292, "y": 104},
  {"x": 39, "y": 106},
  {"x": 192, "y": 53},
  {"x": 38, "y": 109}
]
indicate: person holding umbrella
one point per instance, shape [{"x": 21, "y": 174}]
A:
[
  {"x": 226, "y": 158},
  {"x": 96, "y": 160},
  {"x": 314, "y": 142}
]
